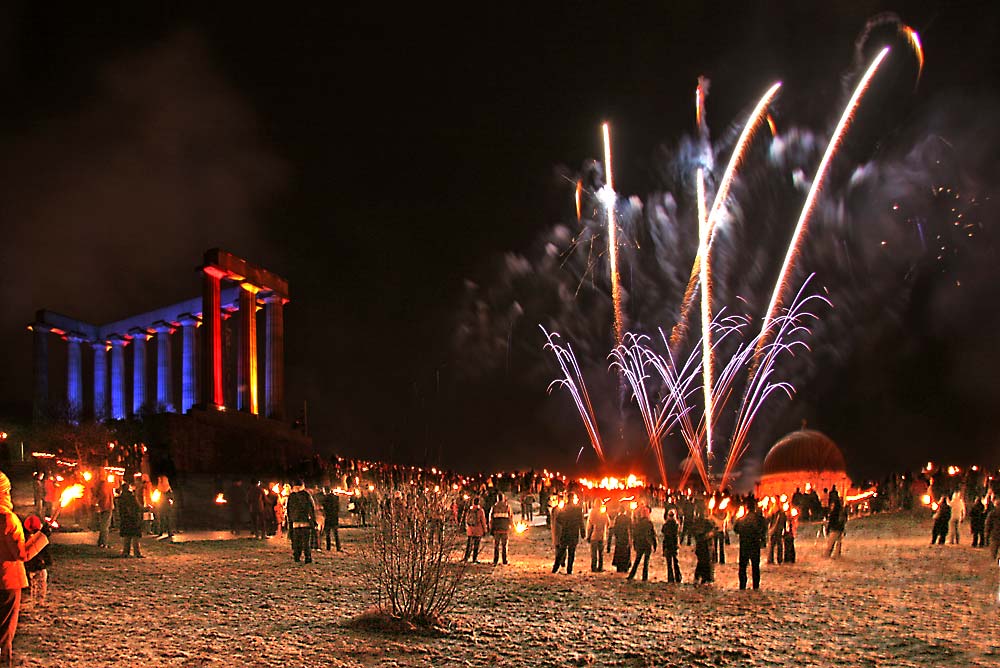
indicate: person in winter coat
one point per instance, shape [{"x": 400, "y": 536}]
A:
[
  {"x": 500, "y": 523},
  {"x": 129, "y": 521},
  {"x": 104, "y": 495},
  {"x": 704, "y": 531},
  {"x": 992, "y": 530},
  {"x": 942, "y": 517},
  {"x": 621, "y": 536},
  {"x": 752, "y": 530},
  {"x": 957, "y": 516},
  {"x": 836, "y": 524},
  {"x": 570, "y": 526},
  {"x": 12, "y": 574},
  {"x": 776, "y": 535},
  {"x": 644, "y": 541},
  {"x": 38, "y": 566},
  {"x": 301, "y": 521},
  {"x": 671, "y": 530},
  {"x": 331, "y": 509},
  {"x": 977, "y": 522},
  {"x": 475, "y": 529},
  {"x": 597, "y": 535}
]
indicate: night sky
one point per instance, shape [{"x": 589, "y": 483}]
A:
[{"x": 380, "y": 157}]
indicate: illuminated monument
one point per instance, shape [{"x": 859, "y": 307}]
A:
[{"x": 204, "y": 417}]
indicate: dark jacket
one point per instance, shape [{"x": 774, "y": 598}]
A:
[
  {"x": 837, "y": 519},
  {"x": 300, "y": 508},
  {"x": 752, "y": 530},
  {"x": 43, "y": 559},
  {"x": 129, "y": 514},
  {"x": 643, "y": 535},
  {"x": 670, "y": 531},
  {"x": 570, "y": 525},
  {"x": 331, "y": 509}
]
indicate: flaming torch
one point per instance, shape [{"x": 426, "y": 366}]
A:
[
  {"x": 67, "y": 497},
  {"x": 520, "y": 527},
  {"x": 220, "y": 498}
]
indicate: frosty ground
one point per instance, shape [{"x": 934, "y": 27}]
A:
[{"x": 892, "y": 600}]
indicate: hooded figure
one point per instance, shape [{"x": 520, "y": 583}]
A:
[{"x": 12, "y": 573}]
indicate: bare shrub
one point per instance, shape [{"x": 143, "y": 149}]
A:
[{"x": 412, "y": 557}]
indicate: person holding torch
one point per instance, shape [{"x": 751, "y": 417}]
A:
[{"x": 14, "y": 551}]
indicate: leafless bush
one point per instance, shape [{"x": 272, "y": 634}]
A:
[{"x": 412, "y": 557}]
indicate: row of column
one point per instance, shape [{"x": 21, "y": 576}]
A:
[
  {"x": 111, "y": 402},
  {"x": 246, "y": 360}
]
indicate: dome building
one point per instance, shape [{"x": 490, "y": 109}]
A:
[{"x": 800, "y": 459}]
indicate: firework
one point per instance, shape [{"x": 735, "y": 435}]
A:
[
  {"x": 800, "y": 227},
  {"x": 572, "y": 381},
  {"x": 914, "y": 39},
  {"x": 608, "y": 195},
  {"x": 706, "y": 310}
]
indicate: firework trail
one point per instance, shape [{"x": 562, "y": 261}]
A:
[
  {"x": 761, "y": 358},
  {"x": 572, "y": 380},
  {"x": 914, "y": 39},
  {"x": 810, "y": 203},
  {"x": 706, "y": 311},
  {"x": 579, "y": 193},
  {"x": 721, "y": 195},
  {"x": 608, "y": 196}
]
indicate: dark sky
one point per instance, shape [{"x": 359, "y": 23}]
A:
[{"x": 377, "y": 157}]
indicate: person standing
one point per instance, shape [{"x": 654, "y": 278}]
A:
[
  {"x": 255, "y": 501},
  {"x": 836, "y": 524},
  {"x": 991, "y": 529},
  {"x": 105, "y": 502},
  {"x": 570, "y": 528},
  {"x": 301, "y": 520},
  {"x": 670, "y": 531},
  {"x": 331, "y": 509},
  {"x": 527, "y": 507},
  {"x": 776, "y": 535},
  {"x": 475, "y": 529},
  {"x": 500, "y": 521},
  {"x": 977, "y": 522},
  {"x": 129, "y": 521},
  {"x": 621, "y": 535},
  {"x": 957, "y": 516},
  {"x": 704, "y": 531},
  {"x": 13, "y": 577},
  {"x": 942, "y": 517},
  {"x": 38, "y": 566},
  {"x": 597, "y": 535},
  {"x": 752, "y": 530},
  {"x": 644, "y": 540}
]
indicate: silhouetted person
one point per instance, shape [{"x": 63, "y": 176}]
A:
[{"x": 752, "y": 530}]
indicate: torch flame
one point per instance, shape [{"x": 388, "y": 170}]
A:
[
  {"x": 520, "y": 527},
  {"x": 155, "y": 496},
  {"x": 741, "y": 512},
  {"x": 70, "y": 493},
  {"x": 220, "y": 498}
]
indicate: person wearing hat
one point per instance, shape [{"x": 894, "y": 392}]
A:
[
  {"x": 38, "y": 566},
  {"x": 13, "y": 577}
]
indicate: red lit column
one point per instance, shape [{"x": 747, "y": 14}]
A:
[
  {"x": 274, "y": 380},
  {"x": 211, "y": 359},
  {"x": 246, "y": 364}
]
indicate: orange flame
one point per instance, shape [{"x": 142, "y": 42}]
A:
[
  {"x": 70, "y": 493},
  {"x": 220, "y": 498}
]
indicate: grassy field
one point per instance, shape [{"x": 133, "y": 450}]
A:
[{"x": 892, "y": 600}]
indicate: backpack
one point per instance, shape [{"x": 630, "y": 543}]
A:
[{"x": 471, "y": 517}]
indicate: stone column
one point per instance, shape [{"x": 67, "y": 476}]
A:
[
  {"x": 100, "y": 380},
  {"x": 189, "y": 380},
  {"x": 211, "y": 358},
  {"x": 274, "y": 380},
  {"x": 164, "y": 367},
  {"x": 40, "y": 334},
  {"x": 74, "y": 377},
  {"x": 118, "y": 344},
  {"x": 246, "y": 363},
  {"x": 139, "y": 336}
]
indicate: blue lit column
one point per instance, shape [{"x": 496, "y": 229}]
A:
[
  {"x": 189, "y": 379},
  {"x": 164, "y": 367},
  {"x": 74, "y": 379},
  {"x": 138, "y": 370},
  {"x": 100, "y": 380},
  {"x": 274, "y": 373},
  {"x": 118, "y": 344}
]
